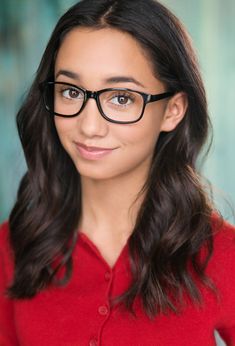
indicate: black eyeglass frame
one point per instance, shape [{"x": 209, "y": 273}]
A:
[{"x": 147, "y": 98}]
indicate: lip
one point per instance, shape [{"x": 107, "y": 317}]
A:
[{"x": 92, "y": 153}]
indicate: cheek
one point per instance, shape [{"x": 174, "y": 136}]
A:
[
  {"x": 142, "y": 136},
  {"x": 64, "y": 128},
  {"x": 138, "y": 145}
]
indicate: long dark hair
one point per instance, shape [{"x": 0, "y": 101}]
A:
[{"x": 174, "y": 221}]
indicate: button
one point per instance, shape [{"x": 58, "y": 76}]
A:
[
  {"x": 93, "y": 342},
  {"x": 103, "y": 310},
  {"x": 107, "y": 276}
]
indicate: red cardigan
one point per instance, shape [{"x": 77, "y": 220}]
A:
[{"x": 79, "y": 313}]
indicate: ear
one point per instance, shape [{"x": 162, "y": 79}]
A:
[{"x": 174, "y": 112}]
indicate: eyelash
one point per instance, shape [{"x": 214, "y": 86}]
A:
[
  {"x": 123, "y": 95},
  {"x": 68, "y": 90}
]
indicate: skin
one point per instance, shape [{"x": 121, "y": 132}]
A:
[{"x": 110, "y": 185}]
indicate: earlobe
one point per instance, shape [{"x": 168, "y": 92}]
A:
[{"x": 174, "y": 112}]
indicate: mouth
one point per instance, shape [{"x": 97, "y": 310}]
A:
[{"x": 92, "y": 153}]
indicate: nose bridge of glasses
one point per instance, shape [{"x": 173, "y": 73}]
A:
[{"x": 91, "y": 95}]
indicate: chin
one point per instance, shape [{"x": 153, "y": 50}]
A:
[{"x": 94, "y": 173}]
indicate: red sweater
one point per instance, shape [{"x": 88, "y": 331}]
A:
[{"x": 79, "y": 313}]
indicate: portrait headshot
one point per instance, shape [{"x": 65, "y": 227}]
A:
[{"x": 117, "y": 193}]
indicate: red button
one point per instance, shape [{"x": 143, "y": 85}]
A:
[
  {"x": 107, "y": 276},
  {"x": 103, "y": 310},
  {"x": 93, "y": 342}
]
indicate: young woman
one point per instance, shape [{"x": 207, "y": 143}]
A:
[{"x": 112, "y": 239}]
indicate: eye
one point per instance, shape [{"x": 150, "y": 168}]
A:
[
  {"x": 72, "y": 93},
  {"x": 122, "y": 99}
]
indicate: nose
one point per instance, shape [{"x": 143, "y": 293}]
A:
[{"x": 91, "y": 122}]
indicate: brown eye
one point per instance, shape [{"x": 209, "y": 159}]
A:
[
  {"x": 72, "y": 93},
  {"x": 122, "y": 100}
]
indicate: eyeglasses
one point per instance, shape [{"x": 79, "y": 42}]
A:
[{"x": 117, "y": 105}]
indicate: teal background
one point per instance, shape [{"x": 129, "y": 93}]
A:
[{"x": 25, "y": 27}]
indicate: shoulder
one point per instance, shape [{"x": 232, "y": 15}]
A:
[
  {"x": 6, "y": 253},
  {"x": 223, "y": 242},
  {"x": 224, "y": 237},
  {"x": 4, "y": 236},
  {"x": 222, "y": 262},
  {"x": 221, "y": 270}
]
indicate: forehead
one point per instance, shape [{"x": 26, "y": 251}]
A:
[{"x": 99, "y": 53}]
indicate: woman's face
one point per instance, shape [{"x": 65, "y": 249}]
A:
[{"x": 95, "y": 59}]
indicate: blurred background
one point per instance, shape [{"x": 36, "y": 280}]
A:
[{"x": 25, "y": 27}]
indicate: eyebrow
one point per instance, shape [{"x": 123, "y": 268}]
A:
[
  {"x": 110, "y": 80},
  {"x": 67, "y": 73},
  {"x": 123, "y": 79}
]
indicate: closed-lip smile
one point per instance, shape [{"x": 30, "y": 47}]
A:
[
  {"x": 91, "y": 148},
  {"x": 92, "y": 152}
]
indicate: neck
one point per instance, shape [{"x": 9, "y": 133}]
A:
[{"x": 110, "y": 207}]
